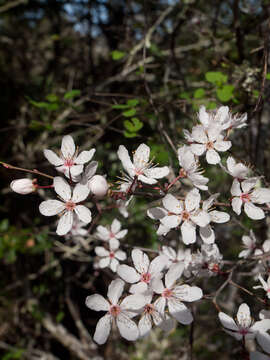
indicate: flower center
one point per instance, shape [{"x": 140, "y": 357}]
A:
[
  {"x": 115, "y": 310},
  {"x": 167, "y": 293},
  {"x": 111, "y": 235},
  {"x": 182, "y": 173},
  {"x": 70, "y": 205},
  {"x": 111, "y": 255},
  {"x": 185, "y": 215},
  {"x": 243, "y": 331},
  {"x": 149, "y": 308},
  {"x": 69, "y": 162},
  {"x": 245, "y": 197},
  {"x": 210, "y": 145},
  {"x": 146, "y": 277}
]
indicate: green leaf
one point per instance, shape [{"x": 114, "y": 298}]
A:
[
  {"x": 255, "y": 93},
  {"x": 184, "y": 95},
  {"x": 211, "y": 105},
  {"x": 268, "y": 76},
  {"x": 60, "y": 316},
  {"x": 72, "y": 94},
  {"x": 39, "y": 104},
  {"x": 199, "y": 93},
  {"x": 134, "y": 125},
  {"x": 117, "y": 55},
  {"x": 52, "y": 98},
  {"x": 129, "y": 113},
  {"x": 120, "y": 106},
  {"x": 129, "y": 134},
  {"x": 225, "y": 93},
  {"x": 216, "y": 77},
  {"x": 132, "y": 102}
]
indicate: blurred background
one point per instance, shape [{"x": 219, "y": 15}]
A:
[{"x": 114, "y": 72}]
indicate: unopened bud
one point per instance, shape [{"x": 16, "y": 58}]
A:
[
  {"x": 98, "y": 186},
  {"x": 23, "y": 186}
]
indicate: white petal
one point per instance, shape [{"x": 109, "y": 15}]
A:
[
  {"x": 62, "y": 188},
  {"x": 256, "y": 355},
  {"x": 188, "y": 231},
  {"x": 197, "y": 149},
  {"x": 140, "y": 261},
  {"x": 116, "y": 226},
  {"x": 85, "y": 156},
  {"x": 192, "y": 200},
  {"x": 207, "y": 234},
  {"x": 264, "y": 341},
  {"x": 243, "y": 315},
  {"x": 171, "y": 221},
  {"x": 68, "y": 147},
  {"x": 75, "y": 170},
  {"x": 199, "y": 135},
  {"x": 127, "y": 328},
  {"x": 65, "y": 223},
  {"x": 141, "y": 156},
  {"x": 84, "y": 214},
  {"x": 235, "y": 189},
  {"x": 249, "y": 184},
  {"x": 172, "y": 204},
  {"x": 203, "y": 116},
  {"x": 128, "y": 273},
  {"x": 80, "y": 193},
  {"x": 236, "y": 205},
  {"x": 90, "y": 170},
  {"x": 140, "y": 287},
  {"x": 103, "y": 329},
  {"x": 157, "y": 172},
  {"x": 260, "y": 196},
  {"x": 168, "y": 323},
  {"x": 120, "y": 255},
  {"x": 51, "y": 207},
  {"x": 125, "y": 159},
  {"x": 212, "y": 157},
  {"x": 201, "y": 218},
  {"x": 157, "y": 285},
  {"x": 147, "y": 180},
  {"x": 133, "y": 302},
  {"x": 162, "y": 230},
  {"x": 179, "y": 311},
  {"x": 53, "y": 158},
  {"x": 114, "y": 244},
  {"x": 262, "y": 325},
  {"x": 227, "y": 322},
  {"x": 214, "y": 132},
  {"x": 121, "y": 234},
  {"x": 97, "y": 302},
  {"x": 222, "y": 145},
  {"x": 219, "y": 216},
  {"x": 169, "y": 252},
  {"x": 156, "y": 213},
  {"x": 101, "y": 251},
  {"x": 159, "y": 305},
  {"x": 103, "y": 233},
  {"x": 253, "y": 212},
  {"x": 104, "y": 262},
  {"x": 244, "y": 254},
  {"x": 115, "y": 290},
  {"x": 173, "y": 274},
  {"x": 247, "y": 240},
  {"x": 188, "y": 293},
  {"x": 114, "y": 265},
  {"x": 145, "y": 325},
  {"x": 157, "y": 265}
]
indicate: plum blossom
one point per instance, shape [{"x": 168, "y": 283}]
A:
[
  {"x": 144, "y": 273},
  {"x": 110, "y": 258},
  {"x": 207, "y": 262},
  {"x": 113, "y": 234},
  {"x": 69, "y": 162},
  {"x": 265, "y": 285},
  {"x": 141, "y": 168},
  {"x": 23, "y": 186},
  {"x": 190, "y": 168},
  {"x": 207, "y": 233},
  {"x": 78, "y": 228},
  {"x": 182, "y": 255},
  {"x": 236, "y": 170},
  {"x": 176, "y": 211},
  {"x": 249, "y": 245},
  {"x": 173, "y": 295},
  {"x": 245, "y": 193},
  {"x": 98, "y": 186},
  {"x": 70, "y": 203},
  {"x": 244, "y": 327},
  {"x": 119, "y": 312},
  {"x": 209, "y": 141}
]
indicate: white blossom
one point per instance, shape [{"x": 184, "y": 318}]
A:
[
  {"x": 245, "y": 193},
  {"x": 23, "y": 186},
  {"x": 141, "y": 167},
  {"x": 98, "y": 186},
  {"x": 110, "y": 258},
  {"x": 237, "y": 170},
  {"x": 70, "y": 203},
  {"x": 113, "y": 234},
  {"x": 265, "y": 285},
  {"x": 206, "y": 262},
  {"x": 69, "y": 162},
  {"x": 249, "y": 244},
  {"x": 78, "y": 228},
  {"x": 119, "y": 312},
  {"x": 182, "y": 255}
]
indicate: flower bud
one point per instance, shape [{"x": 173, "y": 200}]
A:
[
  {"x": 23, "y": 186},
  {"x": 98, "y": 186}
]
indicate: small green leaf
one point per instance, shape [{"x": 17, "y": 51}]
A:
[
  {"x": 216, "y": 77},
  {"x": 72, "y": 94},
  {"x": 132, "y": 102},
  {"x": 129, "y": 134},
  {"x": 211, "y": 105},
  {"x": 52, "y": 98},
  {"x": 134, "y": 125},
  {"x": 184, "y": 95},
  {"x": 199, "y": 93},
  {"x": 255, "y": 93},
  {"x": 120, "y": 106},
  {"x": 268, "y": 76},
  {"x": 117, "y": 55},
  {"x": 225, "y": 93},
  {"x": 60, "y": 316},
  {"x": 129, "y": 113}
]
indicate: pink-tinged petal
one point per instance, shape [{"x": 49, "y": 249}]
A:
[
  {"x": 188, "y": 231},
  {"x": 253, "y": 212},
  {"x": 125, "y": 159},
  {"x": 97, "y": 302},
  {"x": 133, "y": 302},
  {"x": 201, "y": 218},
  {"x": 198, "y": 149},
  {"x": 101, "y": 251},
  {"x": 121, "y": 234},
  {"x": 192, "y": 200},
  {"x": 114, "y": 265},
  {"x": 75, "y": 170},
  {"x": 114, "y": 244},
  {"x": 212, "y": 157},
  {"x": 207, "y": 234},
  {"x": 179, "y": 311},
  {"x": 156, "y": 213},
  {"x": 157, "y": 172},
  {"x": 249, "y": 184},
  {"x": 219, "y": 217},
  {"x": 172, "y": 204},
  {"x": 157, "y": 285},
  {"x": 159, "y": 305},
  {"x": 116, "y": 226},
  {"x": 104, "y": 262},
  {"x": 243, "y": 316},
  {"x": 103, "y": 233},
  {"x": 120, "y": 255},
  {"x": 157, "y": 265},
  {"x": 171, "y": 221},
  {"x": 65, "y": 223},
  {"x": 80, "y": 193},
  {"x": 222, "y": 145},
  {"x": 260, "y": 196},
  {"x": 141, "y": 156},
  {"x": 227, "y": 322},
  {"x": 237, "y": 205},
  {"x": 128, "y": 274},
  {"x": 103, "y": 329},
  {"x": 235, "y": 189},
  {"x": 127, "y": 327},
  {"x": 140, "y": 261},
  {"x": 138, "y": 288},
  {"x": 84, "y": 214},
  {"x": 85, "y": 156},
  {"x": 264, "y": 341},
  {"x": 173, "y": 274},
  {"x": 68, "y": 147},
  {"x": 62, "y": 188},
  {"x": 115, "y": 290},
  {"x": 53, "y": 158},
  {"x": 188, "y": 293},
  {"x": 199, "y": 135},
  {"x": 147, "y": 180},
  {"x": 51, "y": 207},
  {"x": 145, "y": 325}
]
